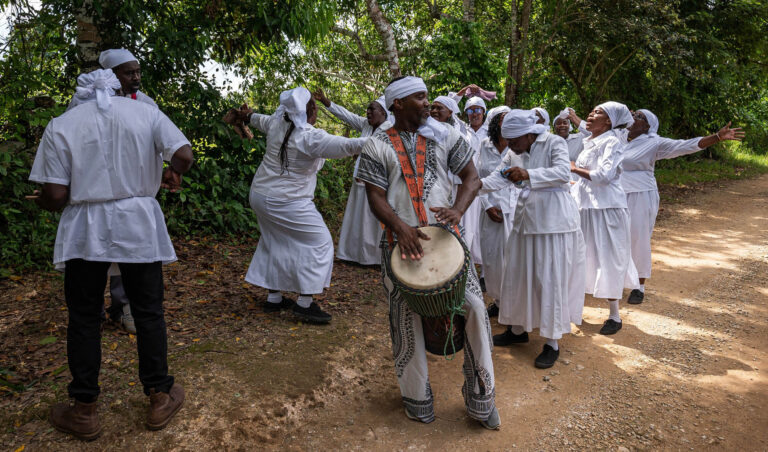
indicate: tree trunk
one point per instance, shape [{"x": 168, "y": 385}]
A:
[
  {"x": 384, "y": 29},
  {"x": 88, "y": 38},
  {"x": 525, "y": 21},
  {"x": 469, "y": 10},
  {"x": 509, "y": 85}
]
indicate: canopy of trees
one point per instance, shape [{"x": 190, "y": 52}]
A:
[{"x": 696, "y": 64}]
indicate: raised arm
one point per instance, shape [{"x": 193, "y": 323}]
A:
[
  {"x": 321, "y": 144},
  {"x": 347, "y": 117}
]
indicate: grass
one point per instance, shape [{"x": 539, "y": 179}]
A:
[{"x": 734, "y": 161}]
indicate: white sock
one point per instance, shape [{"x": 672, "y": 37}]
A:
[
  {"x": 553, "y": 343},
  {"x": 614, "y": 305},
  {"x": 517, "y": 329},
  {"x": 642, "y": 288},
  {"x": 304, "y": 301},
  {"x": 274, "y": 297}
]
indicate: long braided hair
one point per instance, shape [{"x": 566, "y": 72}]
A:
[{"x": 283, "y": 150}]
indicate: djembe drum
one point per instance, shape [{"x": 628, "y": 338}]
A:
[{"x": 434, "y": 286}]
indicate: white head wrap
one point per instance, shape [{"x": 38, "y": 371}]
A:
[
  {"x": 494, "y": 112},
  {"x": 403, "y": 88},
  {"x": 449, "y": 103},
  {"x": 521, "y": 122},
  {"x": 653, "y": 121},
  {"x": 382, "y": 101},
  {"x": 543, "y": 114},
  {"x": 293, "y": 102},
  {"x": 476, "y": 101},
  {"x": 99, "y": 85},
  {"x": 111, "y": 58},
  {"x": 618, "y": 113},
  {"x": 563, "y": 115}
]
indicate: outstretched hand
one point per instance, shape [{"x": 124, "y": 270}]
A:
[
  {"x": 319, "y": 95},
  {"x": 171, "y": 180},
  {"x": 447, "y": 215},
  {"x": 726, "y": 133}
]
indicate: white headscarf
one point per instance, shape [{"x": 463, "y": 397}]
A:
[
  {"x": 475, "y": 102},
  {"x": 383, "y": 102},
  {"x": 293, "y": 102},
  {"x": 403, "y": 88},
  {"x": 111, "y": 58},
  {"x": 544, "y": 115},
  {"x": 494, "y": 112},
  {"x": 653, "y": 121},
  {"x": 521, "y": 122},
  {"x": 618, "y": 113},
  {"x": 99, "y": 85},
  {"x": 449, "y": 103},
  {"x": 563, "y": 115}
]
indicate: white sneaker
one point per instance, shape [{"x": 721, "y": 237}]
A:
[{"x": 126, "y": 320}]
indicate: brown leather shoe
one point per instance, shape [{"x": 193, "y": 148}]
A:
[
  {"x": 80, "y": 419},
  {"x": 163, "y": 406}
]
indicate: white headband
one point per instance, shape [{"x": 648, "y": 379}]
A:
[
  {"x": 521, "y": 122},
  {"x": 618, "y": 113},
  {"x": 652, "y": 120},
  {"x": 99, "y": 85},
  {"x": 111, "y": 58},
  {"x": 403, "y": 88},
  {"x": 293, "y": 102},
  {"x": 475, "y": 102},
  {"x": 544, "y": 115}
]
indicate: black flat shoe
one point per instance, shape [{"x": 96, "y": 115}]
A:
[
  {"x": 635, "y": 297},
  {"x": 610, "y": 327},
  {"x": 312, "y": 314},
  {"x": 547, "y": 357},
  {"x": 493, "y": 310},
  {"x": 285, "y": 303},
  {"x": 509, "y": 338}
]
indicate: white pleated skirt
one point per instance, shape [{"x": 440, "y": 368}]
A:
[
  {"x": 609, "y": 267},
  {"x": 360, "y": 230},
  {"x": 493, "y": 240},
  {"x": 643, "y": 208},
  {"x": 295, "y": 252},
  {"x": 543, "y": 285}
]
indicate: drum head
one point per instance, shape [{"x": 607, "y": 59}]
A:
[{"x": 443, "y": 260}]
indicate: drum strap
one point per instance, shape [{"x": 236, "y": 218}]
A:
[{"x": 414, "y": 178}]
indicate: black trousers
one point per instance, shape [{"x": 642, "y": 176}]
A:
[{"x": 84, "y": 283}]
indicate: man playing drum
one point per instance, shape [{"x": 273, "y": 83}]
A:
[{"x": 416, "y": 155}]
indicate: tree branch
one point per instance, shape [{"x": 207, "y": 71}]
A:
[{"x": 364, "y": 52}]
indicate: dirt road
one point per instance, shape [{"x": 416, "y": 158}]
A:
[{"x": 687, "y": 371}]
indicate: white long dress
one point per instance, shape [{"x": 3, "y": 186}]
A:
[
  {"x": 295, "y": 252},
  {"x": 493, "y": 235},
  {"x": 639, "y": 183},
  {"x": 360, "y": 230},
  {"x": 605, "y": 218},
  {"x": 543, "y": 285}
]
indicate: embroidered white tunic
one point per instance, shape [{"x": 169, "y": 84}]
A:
[
  {"x": 543, "y": 284},
  {"x": 112, "y": 162},
  {"x": 360, "y": 230},
  {"x": 295, "y": 252}
]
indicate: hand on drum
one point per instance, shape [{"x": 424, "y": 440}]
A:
[
  {"x": 408, "y": 239},
  {"x": 494, "y": 213},
  {"x": 447, "y": 216}
]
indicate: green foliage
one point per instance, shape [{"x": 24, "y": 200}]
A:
[{"x": 735, "y": 161}]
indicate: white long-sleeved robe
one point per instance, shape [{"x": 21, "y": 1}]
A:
[
  {"x": 493, "y": 235},
  {"x": 360, "y": 230},
  {"x": 605, "y": 218},
  {"x": 639, "y": 183},
  {"x": 543, "y": 285},
  {"x": 295, "y": 252}
]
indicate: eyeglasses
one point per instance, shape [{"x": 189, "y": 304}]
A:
[{"x": 474, "y": 110}]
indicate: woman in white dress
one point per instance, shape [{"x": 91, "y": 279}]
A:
[
  {"x": 295, "y": 252},
  {"x": 543, "y": 284},
  {"x": 603, "y": 208},
  {"x": 360, "y": 230}
]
